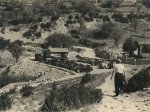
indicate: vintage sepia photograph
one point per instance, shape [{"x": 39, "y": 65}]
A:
[{"x": 74, "y": 55}]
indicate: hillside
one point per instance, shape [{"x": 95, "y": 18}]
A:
[{"x": 58, "y": 55}]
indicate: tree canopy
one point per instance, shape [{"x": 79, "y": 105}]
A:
[
  {"x": 59, "y": 40},
  {"x": 130, "y": 45}
]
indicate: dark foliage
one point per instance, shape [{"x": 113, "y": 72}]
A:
[
  {"x": 89, "y": 43},
  {"x": 5, "y": 102},
  {"x": 102, "y": 53},
  {"x": 55, "y": 17},
  {"x": 26, "y": 91},
  {"x": 146, "y": 3},
  {"x": 105, "y": 31},
  {"x": 4, "y": 43},
  {"x": 70, "y": 97},
  {"x": 120, "y": 18},
  {"x": 86, "y": 78},
  {"x": 45, "y": 25},
  {"x": 16, "y": 29},
  {"x": 38, "y": 34},
  {"x": 106, "y": 18},
  {"x": 12, "y": 91},
  {"x": 16, "y": 49},
  {"x": 130, "y": 46},
  {"x": 70, "y": 17},
  {"x": 27, "y": 34},
  {"x": 59, "y": 40},
  {"x": 139, "y": 81},
  {"x": 77, "y": 17}
]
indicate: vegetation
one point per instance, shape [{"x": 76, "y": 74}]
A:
[
  {"x": 6, "y": 78},
  {"x": 3, "y": 43},
  {"x": 139, "y": 81},
  {"x": 89, "y": 43},
  {"x": 59, "y": 40},
  {"x": 102, "y": 53},
  {"x": 16, "y": 49},
  {"x": 105, "y": 31},
  {"x": 70, "y": 97},
  {"x": 130, "y": 46},
  {"x": 5, "y": 102},
  {"x": 86, "y": 78},
  {"x": 146, "y": 3},
  {"x": 26, "y": 91}
]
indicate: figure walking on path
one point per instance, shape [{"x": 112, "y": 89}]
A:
[{"x": 119, "y": 78}]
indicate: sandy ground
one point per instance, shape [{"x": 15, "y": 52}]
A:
[{"x": 127, "y": 102}]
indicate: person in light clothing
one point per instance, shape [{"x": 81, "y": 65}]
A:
[{"x": 119, "y": 76}]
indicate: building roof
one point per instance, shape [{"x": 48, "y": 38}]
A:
[{"x": 58, "y": 50}]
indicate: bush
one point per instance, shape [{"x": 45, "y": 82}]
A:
[
  {"x": 5, "y": 102},
  {"x": 106, "y": 19},
  {"x": 16, "y": 29},
  {"x": 86, "y": 78},
  {"x": 55, "y": 17},
  {"x": 89, "y": 43},
  {"x": 38, "y": 34},
  {"x": 77, "y": 17},
  {"x": 70, "y": 97},
  {"x": 27, "y": 34},
  {"x": 139, "y": 81},
  {"x": 26, "y": 91},
  {"x": 12, "y": 91},
  {"x": 102, "y": 53},
  {"x": 70, "y": 17}
]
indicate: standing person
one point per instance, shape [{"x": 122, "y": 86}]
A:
[{"x": 119, "y": 78}]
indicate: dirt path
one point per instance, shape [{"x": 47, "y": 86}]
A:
[{"x": 123, "y": 103}]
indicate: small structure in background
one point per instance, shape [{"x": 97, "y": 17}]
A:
[
  {"x": 144, "y": 50},
  {"x": 57, "y": 52}
]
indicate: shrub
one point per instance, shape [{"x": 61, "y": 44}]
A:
[
  {"x": 38, "y": 34},
  {"x": 5, "y": 102},
  {"x": 16, "y": 29},
  {"x": 106, "y": 19},
  {"x": 102, "y": 53},
  {"x": 55, "y": 17},
  {"x": 70, "y": 97},
  {"x": 77, "y": 16},
  {"x": 4, "y": 43},
  {"x": 27, "y": 34},
  {"x": 33, "y": 27},
  {"x": 12, "y": 91},
  {"x": 139, "y": 81},
  {"x": 89, "y": 43},
  {"x": 26, "y": 91},
  {"x": 86, "y": 78},
  {"x": 70, "y": 17}
]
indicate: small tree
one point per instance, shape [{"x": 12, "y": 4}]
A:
[
  {"x": 106, "y": 19},
  {"x": 5, "y": 102},
  {"x": 3, "y": 43},
  {"x": 59, "y": 40},
  {"x": 16, "y": 49},
  {"x": 116, "y": 35},
  {"x": 134, "y": 24}
]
